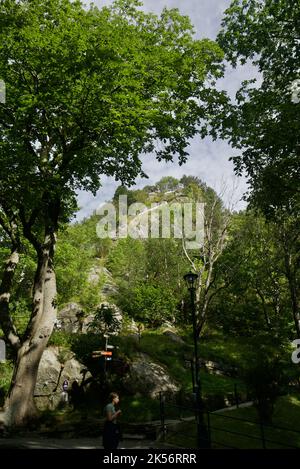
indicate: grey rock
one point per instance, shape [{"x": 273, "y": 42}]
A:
[
  {"x": 148, "y": 378},
  {"x": 174, "y": 337},
  {"x": 134, "y": 328},
  {"x": 98, "y": 273},
  {"x": 87, "y": 321},
  {"x": 51, "y": 374},
  {"x": 218, "y": 368},
  {"x": 70, "y": 318}
]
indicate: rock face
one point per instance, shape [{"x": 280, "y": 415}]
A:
[
  {"x": 133, "y": 327},
  {"x": 70, "y": 319},
  {"x": 98, "y": 273},
  {"x": 51, "y": 375},
  {"x": 218, "y": 368},
  {"x": 148, "y": 378}
]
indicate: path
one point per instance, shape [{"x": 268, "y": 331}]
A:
[
  {"x": 36, "y": 442},
  {"x": 234, "y": 407}
]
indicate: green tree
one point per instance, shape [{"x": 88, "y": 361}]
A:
[
  {"x": 263, "y": 372},
  {"x": 204, "y": 260},
  {"x": 264, "y": 122},
  {"x": 105, "y": 320},
  {"x": 148, "y": 272},
  {"x": 257, "y": 298},
  {"x": 151, "y": 304},
  {"x": 88, "y": 91},
  {"x": 167, "y": 183},
  {"x": 78, "y": 252}
]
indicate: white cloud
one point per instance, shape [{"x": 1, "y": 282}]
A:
[{"x": 208, "y": 159}]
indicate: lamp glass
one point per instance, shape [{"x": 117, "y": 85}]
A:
[{"x": 190, "y": 279}]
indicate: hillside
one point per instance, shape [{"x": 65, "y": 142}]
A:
[{"x": 129, "y": 293}]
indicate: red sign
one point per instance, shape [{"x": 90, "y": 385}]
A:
[{"x": 106, "y": 353}]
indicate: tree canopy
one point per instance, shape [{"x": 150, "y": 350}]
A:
[
  {"x": 89, "y": 91},
  {"x": 263, "y": 122}
]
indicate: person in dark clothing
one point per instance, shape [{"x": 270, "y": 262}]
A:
[
  {"x": 111, "y": 431},
  {"x": 77, "y": 396}
]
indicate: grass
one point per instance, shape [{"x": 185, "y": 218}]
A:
[
  {"x": 224, "y": 350},
  {"x": 173, "y": 356},
  {"x": 240, "y": 428},
  {"x": 139, "y": 409}
]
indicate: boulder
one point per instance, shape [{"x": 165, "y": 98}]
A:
[
  {"x": 174, "y": 337},
  {"x": 132, "y": 327},
  {"x": 218, "y": 368},
  {"x": 148, "y": 378},
  {"x": 70, "y": 319},
  {"x": 51, "y": 375},
  {"x": 86, "y": 322}
]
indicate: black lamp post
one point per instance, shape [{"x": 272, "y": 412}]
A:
[{"x": 202, "y": 433}]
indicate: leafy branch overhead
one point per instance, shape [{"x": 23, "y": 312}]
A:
[
  {"x": 263, "y": 121},
  {"x": 89, "y": 90}
]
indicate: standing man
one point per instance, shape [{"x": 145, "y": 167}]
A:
[{"x": 111, "y": 431}]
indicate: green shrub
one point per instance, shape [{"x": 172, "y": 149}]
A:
[
  {"x": 6, "y": 370},
  {"x": 61, "y": 339}
]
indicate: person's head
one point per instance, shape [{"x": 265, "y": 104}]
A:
[{"x": 114, "y": 398}]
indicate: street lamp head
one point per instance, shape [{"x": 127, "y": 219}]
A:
[{"x": 190, "y": 280}]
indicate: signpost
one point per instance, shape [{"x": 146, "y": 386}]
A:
[
  {"x": 101, "y": 353},
  {"x": 107, "y": 353}
]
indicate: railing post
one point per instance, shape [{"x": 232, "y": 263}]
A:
[
  {"x": 162, "y": 412},
  {"x": 263, "y": 439},
  {"x": 236, "y": 396},
  {"x": 208, "y": 428}
]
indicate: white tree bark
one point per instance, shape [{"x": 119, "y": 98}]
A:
[{"x": 20, "y": 406}]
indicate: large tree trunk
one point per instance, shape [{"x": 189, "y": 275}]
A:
[{"x": 20, "y": 405}]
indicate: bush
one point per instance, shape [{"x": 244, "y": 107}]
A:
[
  {"x": 6, "y": 370},
  {"x": 151, "y": 304},
  {"x": 61, "y": 339}
]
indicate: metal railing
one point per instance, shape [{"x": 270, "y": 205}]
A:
[{"x": 225, "y": 431}]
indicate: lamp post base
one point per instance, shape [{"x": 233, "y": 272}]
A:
[{"x": 203, "y": 440}]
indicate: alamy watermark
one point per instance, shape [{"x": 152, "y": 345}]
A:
[
  {"x": 161, "y": 220},
  {"x": 296, "y": 353},
  {"x": 2, "y": 92},
  {"x": 2, "y": 351}
]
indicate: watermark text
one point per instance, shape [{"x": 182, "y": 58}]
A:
[{"x": 160, "y": 220}]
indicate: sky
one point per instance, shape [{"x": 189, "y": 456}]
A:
[{"x": 208, "y": 160}]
